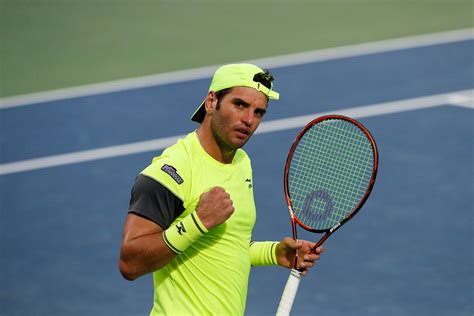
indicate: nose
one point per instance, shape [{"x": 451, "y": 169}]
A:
[{"x": 247, "y": 117}]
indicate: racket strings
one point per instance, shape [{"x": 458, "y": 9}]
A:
[
  {"x": 343, "y": 169},
  {"x": 329, "y": 172},
  {"x": 340, "y": 166}
]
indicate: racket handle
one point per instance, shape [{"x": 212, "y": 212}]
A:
[{"x": 289, "y": 293}]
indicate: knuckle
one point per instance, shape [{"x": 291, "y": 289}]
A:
[{"x": 216, "y": 189}]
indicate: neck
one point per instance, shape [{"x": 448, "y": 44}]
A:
[{"x": 212, "y": 146}]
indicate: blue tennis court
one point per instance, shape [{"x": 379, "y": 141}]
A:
[{"x": 408, "y": 252}]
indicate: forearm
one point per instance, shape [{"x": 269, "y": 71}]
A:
[
  {"x": 148, "y": 248},
  {"x": 144, "y": 254}
]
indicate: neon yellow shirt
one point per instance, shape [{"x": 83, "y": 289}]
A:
[{"x": 211, "y": 276}]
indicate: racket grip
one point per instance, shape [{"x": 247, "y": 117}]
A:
[{"x": 289, "y": 293}]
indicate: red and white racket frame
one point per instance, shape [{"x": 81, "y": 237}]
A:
[{"x": 292, "y": 284}]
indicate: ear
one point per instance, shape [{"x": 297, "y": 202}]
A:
[{"x": 211, "y": 102}]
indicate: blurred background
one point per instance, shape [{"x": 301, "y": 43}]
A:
[
  {"x": 49, "y": 44},
  {"x": 409, "y": 252}
]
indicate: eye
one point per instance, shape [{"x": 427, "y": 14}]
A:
[
  {"x": 240, "y": 103},
  {"x": 260, "y": 113}
]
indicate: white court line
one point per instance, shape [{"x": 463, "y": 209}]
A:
[
  {"x": 465, "y": 99},
  {"x": 271, "y": 62},
  {"x": 373, "y": 110},
  {"x": 465, "y": 96}
]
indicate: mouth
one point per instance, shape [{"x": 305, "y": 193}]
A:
[{"x": 243, "y": 132}]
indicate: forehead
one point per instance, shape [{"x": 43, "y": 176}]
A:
[{"x": 249, "y": 95}]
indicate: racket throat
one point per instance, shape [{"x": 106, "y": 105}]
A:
[
  {"x": 322, "y": 240},
  {"x": 333, "y": 229}
]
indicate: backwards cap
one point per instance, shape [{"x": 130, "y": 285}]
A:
[{"x": 235, "y": 75}]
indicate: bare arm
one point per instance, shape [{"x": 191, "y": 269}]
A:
[{"x": 143, "y": 249}]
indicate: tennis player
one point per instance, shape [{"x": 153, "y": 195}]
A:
[{"x": 192, "y": 209}]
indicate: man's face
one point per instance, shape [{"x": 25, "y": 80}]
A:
[{"x": 237, "y": 117}]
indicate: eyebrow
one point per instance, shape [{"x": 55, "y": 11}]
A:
[
  {"x": 245, "y": 103},
  {"x": 240, "y": 101}
]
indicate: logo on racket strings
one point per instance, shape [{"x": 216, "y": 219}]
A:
[{"x": 312, "y": 210}]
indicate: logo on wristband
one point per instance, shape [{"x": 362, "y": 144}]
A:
[{"x": 181, "y": 228}]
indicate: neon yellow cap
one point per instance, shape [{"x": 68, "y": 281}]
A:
[{"x": 235, "y": 75}]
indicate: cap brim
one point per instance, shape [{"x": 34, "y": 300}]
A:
[{"x": 199, "y": 114}]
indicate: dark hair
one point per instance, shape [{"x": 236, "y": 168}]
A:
[{"x": 219, "y": 95}]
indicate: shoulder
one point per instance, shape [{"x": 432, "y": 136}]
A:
[
  {"x": 177, "y": 155},
  {"x": 173, "y": 167},
  {"x": 242, "y": 158}
]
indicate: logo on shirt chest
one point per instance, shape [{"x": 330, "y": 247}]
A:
[{"x": 249, "y": 182}]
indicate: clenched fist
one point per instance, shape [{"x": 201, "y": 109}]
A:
[{"x": 214, "y": 207}]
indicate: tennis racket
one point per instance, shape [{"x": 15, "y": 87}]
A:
[{"x": 329, "y": 174}]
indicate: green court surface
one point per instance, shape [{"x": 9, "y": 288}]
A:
[{"x": 50, "y": 44}]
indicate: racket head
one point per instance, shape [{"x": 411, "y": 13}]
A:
[{"x": 329, "y": 172}]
